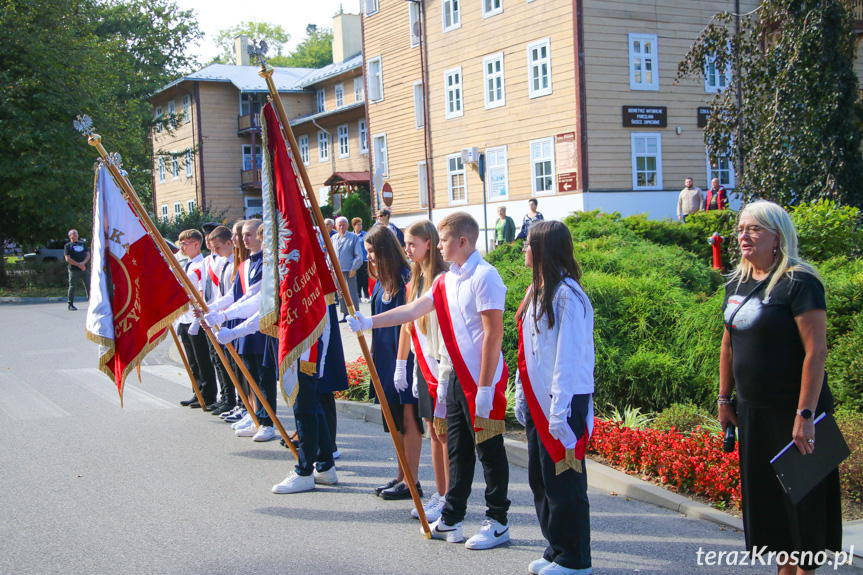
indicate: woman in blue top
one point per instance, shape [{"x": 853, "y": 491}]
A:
[{"x": 388, "y": 265}]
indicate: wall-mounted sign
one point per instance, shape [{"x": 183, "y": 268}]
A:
[
  {"x": 567, "y": 162},
  {"x": 703, "y": 112},
  {"x": 645, "y": 116},
  {"x": 387, "y": 194}
]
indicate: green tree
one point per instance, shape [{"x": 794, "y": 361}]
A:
[
  {"x": 315, "y": 51},
  {"x": 62, "y": 58},
  {"x": 793, "y": 127},
  {"x": 274, "y": 34}
]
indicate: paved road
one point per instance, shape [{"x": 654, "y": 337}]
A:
[{"x": 89, "y": 488}]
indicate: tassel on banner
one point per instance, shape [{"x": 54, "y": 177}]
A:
[
  {"x": 488, "y": 428},
  {"x": 439, "y": 425},
  {"x": 569, "y": 462}
]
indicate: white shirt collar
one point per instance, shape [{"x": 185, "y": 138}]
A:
[{"x": 468, "y": 266}]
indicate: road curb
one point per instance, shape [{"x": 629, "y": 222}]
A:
[
  {"x": 598, "y": 476},
  {"x": 38, "y": 299}
]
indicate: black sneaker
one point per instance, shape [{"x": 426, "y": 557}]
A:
[
  {"x": 399, "y": 491},
  {"x": 188, "y": 402},
  {"x": 217, "y": 408},
  {"x": 72, "y": 307},
  {"x": 195, "y": 404}
]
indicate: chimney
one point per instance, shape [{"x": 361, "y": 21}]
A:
[
  {"x": 241, "y": 50},
  {"x": 347, "y": 37}
]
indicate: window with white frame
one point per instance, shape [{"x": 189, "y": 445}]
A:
[
  {"x": 497, "y": 175},
  {"x": 643, "y": 62},
  {"x": 187, "y": 108},
  {"x": 379, "y": 158},
  {"x": 322, "y": 101},
  {"x": 162, "y": 169},
  {"x": 187, "y": 159},
  {"x": 422, "y": 175},
  {"x": 714, "y": 80},
  {"x": 172, "y": 111},
  {"x": 542, "y": 166},
  {"x": 492, "y": 73},
  {"x": 190, "y": 206},
  {"x": 451, "y": 15},
  {"x": 452, "y": 84},
  {"x": 364, "y": 137},
  {"x": 303, "y": 142},
  {"x": 646, "y": 161},
  {"x": 164, "y": 212},
  {"x": 419, "y": 110},
  {"x": 158, "y": 115},
  {"x": 178, "y": 210},
  {"x": 175, "y": 166},
  {"x": 247, "y": 158},
  {"x": 344, "y": 144},
  {"x": 723, "y": 169},
  {"x": 539, "y": 68},
  {"x": 376, "y": 80},
  {"x": 491, "y": 7},
  {"x": 323, "y": 146},
  {"x": 340, "y": 95},
  {"x": 370, "y": 7},
  {"x": 414, "y": 21},
  {"x": 359, "y": 90},
  {"x": 456, "y": 177}
]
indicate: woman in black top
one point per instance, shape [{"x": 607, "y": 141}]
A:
[{"x": 773, "y": 353}]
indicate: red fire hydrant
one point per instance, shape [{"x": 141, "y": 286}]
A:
[{"x": 716, "y": 241}]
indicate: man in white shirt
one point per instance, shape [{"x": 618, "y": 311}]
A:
[{"x": 689, "y": 200}]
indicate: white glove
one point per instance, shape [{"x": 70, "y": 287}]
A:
[
  {"x": 415, "y": 390},
  {"x": 484, "y": 399},
  {"x": 521, "y": 411},
  {"x": 359, "y": 322},
  {"x": 400, "y": 377},
  {"x": 557, "y": 427},
  {"x": 214, "y": 318},
  {"x": 440, "y": 407},
  {"x": 225, "y": 336},
  {"x": 194, "y": 328}
]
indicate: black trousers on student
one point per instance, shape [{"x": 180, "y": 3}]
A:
[
  {"x": 561, "y": 504},
  {"x": 463, "y": 452},
  {"x": 363, "y": 280},
  {"x": 227, "y": 391},
  {"x": 328, "y": 403},
  {"x": 198, "y": 356},
  {"x": 265, "y": 375},
  {"x": 315, "y": 446}
]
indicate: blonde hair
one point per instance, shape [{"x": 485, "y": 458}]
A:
[
  {"x": 193, "y": 235},
  {"x": 462, "y": 225},
  {"x": 772, "y": 217},
  {"x": 426, "y": 271},
  {"x": 241, "y": 252}
]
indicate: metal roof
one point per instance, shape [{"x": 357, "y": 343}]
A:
[
  {"x": 311, "y": 117},
  {"x": 332, "y": 70},
  {"x": 246, "y": 78}
]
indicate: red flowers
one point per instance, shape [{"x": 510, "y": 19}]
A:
[
  {"x": 358, "y": 378},
  {"x": 690, "y": 462}
]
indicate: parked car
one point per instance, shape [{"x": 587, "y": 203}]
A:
[{"x": 51, "y": 251}]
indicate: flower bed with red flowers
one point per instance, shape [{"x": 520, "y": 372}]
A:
[
  {"x": 358, "y": 382},
  {"x": 689, "y": 462}
]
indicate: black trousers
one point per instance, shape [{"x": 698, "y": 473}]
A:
[
  {"x": 363, "y": 280},
  {"x": 228, "y": 392},
  {"x": 463, "y": 452},
  {"x": 198, "y": 356},
  {"x": 561, "y": 505},
  {"x": 328, "y": 403},
  {"x": 313, "y": 435},
  {"x": 266, "y": 378},
  {"x": 78, "y": 275}
]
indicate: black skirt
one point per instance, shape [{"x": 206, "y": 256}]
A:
[
  {"x": 425, "y": 407},
  {"x": 769, "y": 518}
]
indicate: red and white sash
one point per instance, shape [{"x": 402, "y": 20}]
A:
[
  {"x": 538, "y": 396},
  {"x": 466, "y": 357},
  {"x": 427, "y": 362},
  {"x": 211, "y": 272},
  {"x": 244, "y": 277}
]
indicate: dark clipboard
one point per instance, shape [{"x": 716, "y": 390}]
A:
[{"x": 799, "y": 473}]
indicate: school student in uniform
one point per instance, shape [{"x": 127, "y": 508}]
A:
[
  {"x": 421, "y": 240},
  {"x": 469, "y": 300},
  {"x": 554, "y": 396}
]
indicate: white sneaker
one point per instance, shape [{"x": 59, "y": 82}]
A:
[
  {"x": 226, "y": 414},
  {"x": 433, "y": 508},
  {"x": 491, "y": 534},
  {"x": 327, "y": 477},
  {"x": 555, "y": 569},
  {"x": 245, "y": 422},
  {"x": 249, "y": 431},
  {"x": 537, "y": 565},
  {"x": 294, "y": 483},
  {"x": 449, "y": 533},
  {"x": 265, "y": 433}
]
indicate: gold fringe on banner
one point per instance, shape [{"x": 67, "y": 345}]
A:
[
  {"x": 330, "y": 298},
  {"x": 289, "y": 399},
  {"x": 488, "y": 428},
  {"x": 269, "y": 324},
  {"x": 569, "y": 462},
  {"x": 294, "y": 355},
  {"x": 439, "y": 425}
]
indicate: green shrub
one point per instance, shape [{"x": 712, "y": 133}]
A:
[
  {"x": 704, "y": 224},
  {"x": 851, "y": 470},
  {"x": 825, "y": 230},
  {"x": 845, "y": 367},
  {"x": 631, "y": 417},
  {"x": 27, "y": 275},
  {"x": 685, "y": 418},
  {"x": 843, "y": 278},
  {"x": 189, "y": 220},
  {"x": 354, "y": 206}
]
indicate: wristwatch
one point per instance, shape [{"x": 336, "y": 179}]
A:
[{"x": 805, "y": 413}]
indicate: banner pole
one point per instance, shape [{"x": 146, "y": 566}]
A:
[
  {"x": 188, "y": 367},
  {"x": 95, "y": 140},
  {"x": 267, "y": 73}
]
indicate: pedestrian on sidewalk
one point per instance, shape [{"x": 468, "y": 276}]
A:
[
  {"x": 76, "y": 254},
  {"x": 689, "y": 200}
]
